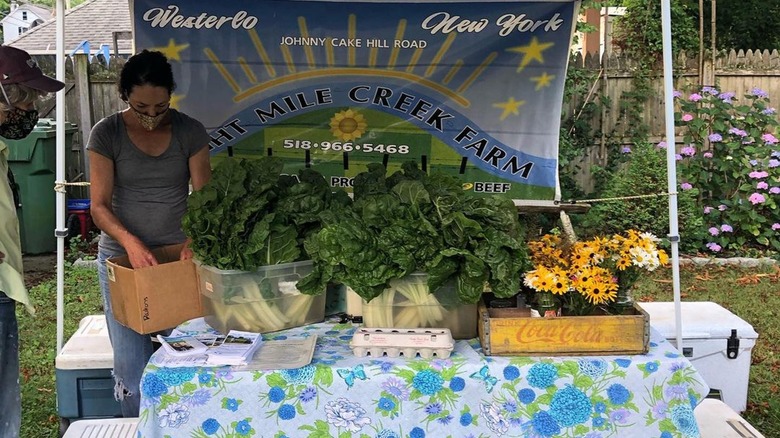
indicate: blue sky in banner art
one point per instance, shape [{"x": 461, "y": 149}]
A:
[{"x": 485, "y": 79}]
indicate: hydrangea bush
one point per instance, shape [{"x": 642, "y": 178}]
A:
[{"x": 731, "y": 156}]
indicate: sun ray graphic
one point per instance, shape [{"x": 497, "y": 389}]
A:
[{"x": 263, "y": 71}]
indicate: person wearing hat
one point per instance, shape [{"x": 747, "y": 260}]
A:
[{"x": 22, "y": 83}]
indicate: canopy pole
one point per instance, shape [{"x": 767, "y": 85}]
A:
[
  {"x": 60, "y": 231},
  {"x": 671, "y": 163}
]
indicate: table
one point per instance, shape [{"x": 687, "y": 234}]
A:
[{"x": 465, "y": 395}]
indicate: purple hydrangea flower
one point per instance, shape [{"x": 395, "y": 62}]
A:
[
  {"x": 769, "y": 111},
  {"x": 715, "y": 137},
  {"x": 707, "y": 210},
  {"x": 774, "y": 163},
  {"x": 753, "y": 162},
  {"x": 774, "y": 190},
  {"x": 625, "y": 150},
  {"x": 762, "y": 185},
  {"x": 677, "y": 93},
  {"x": 714, "y": 247},
  {"x": 759, "y": 92},
  {"x": 775, "y": 226},
  {"x": 686, "y": 186},
  {"x": 714, "y": 231},
  {"x": 726, "y": 228},
  {"x": 695, "y": 97},
  {"x": 722, "y": 207},
  {"x": 688, "y": 151},
  {"x": 727, "y": 95},
  {"x": 678, "y": 157},
  {"x": 739, "y": 132},
  {"x": 707, "y": 155},
  {"x": 661, "y": 145},
  {"x": 710, "y": 90}
]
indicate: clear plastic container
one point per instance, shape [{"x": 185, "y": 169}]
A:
[
  {"x": 408, "y": 304},
  {"x": 261, "y": 301}
]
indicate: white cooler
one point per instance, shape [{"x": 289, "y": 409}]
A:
[{"x": 716, "y": 341}]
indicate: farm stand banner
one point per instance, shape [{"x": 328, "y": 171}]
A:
[{"x": 469, "y": 88}]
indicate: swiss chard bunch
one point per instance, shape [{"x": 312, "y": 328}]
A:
[
  {"x": 412, "y": 222},
  {"x": 250, "y": 215}
]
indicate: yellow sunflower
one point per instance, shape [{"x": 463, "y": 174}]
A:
[{"x": 348, "y": 125}]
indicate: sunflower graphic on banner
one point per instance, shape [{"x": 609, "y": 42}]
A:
[{"x": 473, "y": 89}]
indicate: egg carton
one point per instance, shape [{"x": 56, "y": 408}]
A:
[{"x": 395, "y": 342}]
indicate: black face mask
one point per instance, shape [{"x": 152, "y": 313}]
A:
[{"x": 19, "y": 124}]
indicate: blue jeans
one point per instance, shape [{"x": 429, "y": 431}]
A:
[
  {"x": 131, "y": 349},
  {"x": 10, "y": 398}
]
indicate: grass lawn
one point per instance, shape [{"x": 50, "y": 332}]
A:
[{"x": 752, "y": 294}]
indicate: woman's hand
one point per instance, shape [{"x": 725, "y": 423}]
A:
[
  {"x": 140, "y": 256},
  {"x": 186, "y": 253}
]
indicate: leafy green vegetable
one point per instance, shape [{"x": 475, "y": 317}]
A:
[
  {"x": 412, "y": 222},
  {"x": 250, "y": 215}
]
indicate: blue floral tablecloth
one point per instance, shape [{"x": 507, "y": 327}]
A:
[{"x": 466, "y": 395}]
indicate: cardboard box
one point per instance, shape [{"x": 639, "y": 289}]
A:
[
  {"x": 156, "y": 297},
  {"x": 563, "y": 336}
]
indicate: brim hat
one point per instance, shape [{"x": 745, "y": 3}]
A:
[{"x": 17, "y": 67}]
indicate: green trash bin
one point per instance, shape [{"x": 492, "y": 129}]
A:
[{"x": 33, "y": 161}]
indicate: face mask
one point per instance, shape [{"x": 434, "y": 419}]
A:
[
  {"x": 149, "y": 122},
  {"x": 18, "y": 124}
]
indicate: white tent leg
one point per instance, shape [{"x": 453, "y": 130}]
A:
[
  {"x": 60, "y": 231},
  {"x": 671, "y": 163}
]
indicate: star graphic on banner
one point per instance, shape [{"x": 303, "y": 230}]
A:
[
  {"x": 531, "y": 52},
  {"x": 172, "y": 51},
  {"x": 175, "y": 99},
  {"x": 542, "y": 81},
  {"x": 511, "y": 106}
]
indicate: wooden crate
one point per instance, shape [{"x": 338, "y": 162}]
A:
[{"x": 505, "y": 334}]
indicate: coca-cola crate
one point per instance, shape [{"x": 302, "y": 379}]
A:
[{"x": 502, "y": 333}]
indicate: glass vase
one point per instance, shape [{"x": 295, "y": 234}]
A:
[
  {"x": 624, "y": 302},
  {"x": 547, "y": 305}
]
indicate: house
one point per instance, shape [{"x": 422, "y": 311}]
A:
[
  {"x": 101, "y": 23},
  {"x": 21, "y": 18}
]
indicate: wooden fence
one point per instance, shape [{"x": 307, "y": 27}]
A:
[{"x": 738, "y": 72}]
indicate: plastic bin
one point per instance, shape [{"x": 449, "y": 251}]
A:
[
  {"x": 33, "y": 161},
  {"x": 85, "y": 387},
  {"x": 717, "y": 342},
  {"x": 717, "y": 420},
  {"x": 79, "y": 218},
  {"x": 262, "y": 301},
  {"x": 407, "y": 304}
]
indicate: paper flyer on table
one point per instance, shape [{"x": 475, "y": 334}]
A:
[{"x": 283, "y": 354}]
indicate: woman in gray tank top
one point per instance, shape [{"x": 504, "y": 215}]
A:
[{"x": 142, "y": 161}]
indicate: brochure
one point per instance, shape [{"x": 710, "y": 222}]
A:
[
  {"x": 236, "y": 348},
  {"x": 182, "y": 345}
]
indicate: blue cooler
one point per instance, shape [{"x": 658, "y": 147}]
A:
[{"x": 85, "y": 387}]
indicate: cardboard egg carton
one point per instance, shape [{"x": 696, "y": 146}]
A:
[{"x": 395, "y": 342}]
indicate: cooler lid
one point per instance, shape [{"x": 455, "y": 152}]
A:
[
  {"x": 700, "y": 320},
  {"x": 88, "y": 348}
]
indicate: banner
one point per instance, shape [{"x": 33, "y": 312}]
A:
[{"x": 469, "y": 88}]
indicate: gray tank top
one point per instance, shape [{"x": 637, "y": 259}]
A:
[{"x": 150, "y": 193}]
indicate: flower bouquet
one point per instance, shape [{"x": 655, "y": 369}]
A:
[{"x": 585, "y": 276}]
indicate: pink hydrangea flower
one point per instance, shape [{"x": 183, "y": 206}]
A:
[
  {"x": 722, "y": 207},
  {"x": 757, "y": 198},
  {"x": 758, "y": 174},
  {"x": 762, "y": 185},
  {"x": 714, "y": 231},
  {"x": 714, "y": 247},
  {"x": 686, "y": 186},
  {"x": 695, "y": 97},
  {"x": 687, "y": 117},
  {"x": 707, "y": 210},
  {"x": 688, "y": 151},
  {"x": 707, "y": 155},
  {"x": 769, "y": 138},
  {"x": 775, "y": 226},
  {"x": 661, "y": 145},
  {"x": 726, "y": 228},
  {"x": 775, "y": 190}
]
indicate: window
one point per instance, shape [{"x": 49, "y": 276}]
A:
[{"x": 24, "y": 16}]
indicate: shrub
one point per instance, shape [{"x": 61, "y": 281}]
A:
[
  {"x": 645, "y": 173},
  {"x": 732, "y": 158}
]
